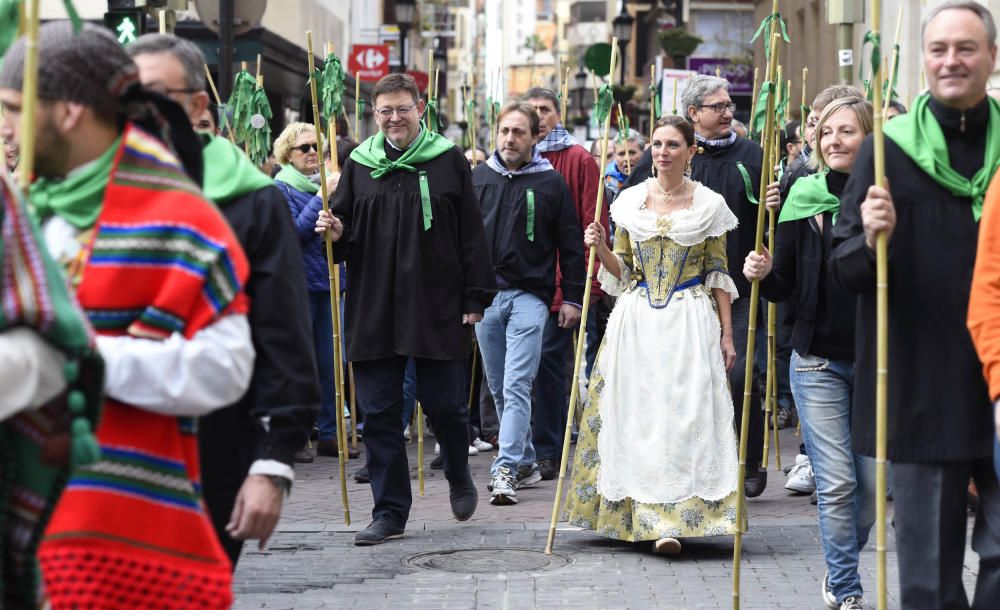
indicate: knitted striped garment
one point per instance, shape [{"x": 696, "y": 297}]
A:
[{"x": 131, "y": 530}]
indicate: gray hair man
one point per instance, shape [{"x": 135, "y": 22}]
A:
[{"x": 939, "y": 159}]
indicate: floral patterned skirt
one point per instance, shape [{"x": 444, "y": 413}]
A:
[{"x": 627, "y": 519}]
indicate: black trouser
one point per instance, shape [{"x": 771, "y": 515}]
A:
[
  {"x": 931, "y": 517},
  {"x": 441, "y": 392},
  {"x": 741, "y": 319},
  {"x": 550, "y": 398}
]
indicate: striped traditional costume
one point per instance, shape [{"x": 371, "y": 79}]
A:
[{"x": 131, "y": 530}]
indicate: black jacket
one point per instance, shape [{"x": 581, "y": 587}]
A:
[
  {"x": 939, "y": 407},
  {"x": 285, "y": 386},
  {"x": 410, "y": 287},
  {"x": 822, "y": 318},
  {"x": 530, "y": 264}
]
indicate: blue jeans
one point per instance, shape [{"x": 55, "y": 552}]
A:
[
  {"x": 510, "y": 339},
  {"x": 322, "y": 326},
  {"x": 409, "y": 391},
  {"x": 845, "y": 481}
]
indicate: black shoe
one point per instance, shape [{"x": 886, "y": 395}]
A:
[
  {"x": 330, "y": 448},
  {"x": 549, "y": 468},
  {"x": 304, "y": 456},
  {"x": 464, "y": 498},
  {"x": 361, "y": 476},
  {"x": 377, "y": 532},
  {"x": 754, "y": 484},
  {"x": 437, "y": 463}
]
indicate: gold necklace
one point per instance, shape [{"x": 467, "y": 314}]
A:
[{"x": 669, "y": 195}]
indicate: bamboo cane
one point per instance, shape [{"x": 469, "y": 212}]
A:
[
  {"x": 331, "y": 267},
  {"x": 768, "y": 142},
  {"x": 163, "y": 21},
  {"x": 564, "y": 98},
  {"x": 581, "y": 336},
  {"x": 338, "y": 345},
  {"x": 420, "y": 448},
  {"x": 805, "y": 75},
  {"x": 652, "y": 101},
  {"x": 891, "y": 74},
  {"x": 772, "y": 308},
  {"x": 753, "y": 98},
  {"x": 675, "y": 95},
  {"x": 357, "y": 115},
  {"x": 246, "y": 143},
  {"x": 218, "y": 101},
  {"x": 882, "y": 339},
  {"x": 354, "y": 406},
  {"x": 29, "y": 97}
]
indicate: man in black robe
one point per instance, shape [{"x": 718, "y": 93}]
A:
[
  {"x": 938, "y": 159},
  {"x": 407, "y": 223},
  {"x": 530, "y": 218},
  {"x": 247, "y": 449}
]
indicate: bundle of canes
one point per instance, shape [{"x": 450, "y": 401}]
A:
[
  {"x": 332, "y": 97},
  {"x": 882, "y": 324},
  {"x": 333, "y": 274},
  {"x": 581, "y": 336},
  {"x": 767, "y": 138}
]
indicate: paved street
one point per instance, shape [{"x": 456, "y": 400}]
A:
[{"x": 495, "y": 560}]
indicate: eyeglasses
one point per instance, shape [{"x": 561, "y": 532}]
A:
[
  {"x": 305, "y": 149},
  {"x": 402, "y": 111},
  {"x": 720, "y": 107},
  {"x": 812, "y": 122}
]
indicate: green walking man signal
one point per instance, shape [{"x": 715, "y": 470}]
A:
[{"x": 126, "y": 25}]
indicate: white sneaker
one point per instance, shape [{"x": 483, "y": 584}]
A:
[
  {"x": 406, "y": 433},
  {"x": 473, "y": 450},
  {"x": 503, "y": 492},
  {"x": 828, "y": 597},
  {"x": 482, "y": 445},
  {"x": 437, "y": 448},
  {"x": 853, "y": 603},
  {"x": 800, "y": 477}
]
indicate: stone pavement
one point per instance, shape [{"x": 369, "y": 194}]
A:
[{"x": 495, "y": 560}]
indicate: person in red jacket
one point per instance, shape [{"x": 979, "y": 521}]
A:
[{"x": 582, "y": 177}]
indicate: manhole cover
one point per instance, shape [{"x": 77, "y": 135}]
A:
[{"x": 487, "y": 561}]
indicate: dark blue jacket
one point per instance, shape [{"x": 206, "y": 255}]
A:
[{"x": 305, "y": 210}]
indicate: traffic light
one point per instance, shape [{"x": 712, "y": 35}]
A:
[{"x": 125, "y": 25}]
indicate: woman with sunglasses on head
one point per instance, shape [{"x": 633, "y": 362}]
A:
[
  {"x": 656, "y": 458},
  {"x": 295, "y": 149},
  {"x": 822, "y": 364}
]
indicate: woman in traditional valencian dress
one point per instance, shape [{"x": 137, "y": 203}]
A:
[{"x": 656, "y": 458}]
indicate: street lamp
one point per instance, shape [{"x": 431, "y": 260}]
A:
[
  {"x": 623, "y": 31},
  {"x": 405, "y": 10}
]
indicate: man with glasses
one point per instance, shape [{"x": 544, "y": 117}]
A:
[
  {"x": 406, "y": 220},
  {"x": 583, "y": 177},
  {"x": 247, "y": 448}
]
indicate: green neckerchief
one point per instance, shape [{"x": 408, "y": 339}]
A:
[
  {"x": 921, "y": 138},
  {"x": 809, "y": 196},
  {"x": 428, "y": 145},
  {"x": 228, "y": 173},
  {"x": 77, "y": 198},
  {"x": 296, "y": 179}
]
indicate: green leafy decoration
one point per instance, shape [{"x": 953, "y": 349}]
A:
[
  {"x": 654, "y": 95},
  {"x": 74, "y": 16},
  {"x": 765, "y": 28},
  {"x": 602, "y": 107},
  {"x": 779, "y": 109},
  {"x": 431, "y": 115},
  {"x": 241, "y": 102},
  {"x": 259, "y": 140},
  {"x": 875, "y": 39},
  {"x": 623, "y": 126},
  {"x": 886, "y": 94},
  {"x": 330, "y": 85},
  {"x": 760, "y": 110}
]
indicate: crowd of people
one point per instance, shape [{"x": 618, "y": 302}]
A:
[{"x": 166, "y": 320}]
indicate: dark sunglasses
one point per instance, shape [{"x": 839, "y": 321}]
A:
[{"x": 305, "y": 148}]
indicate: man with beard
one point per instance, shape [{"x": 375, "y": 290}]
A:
[
  {"x": 406, "y": 221},
  {"x": 247, "y": 447},
  {"x": 529, "y": 219},
  {"x": 583, "y": 178},
  {"x": 939, "y": 159},
  {"x": 160, "y": 276}
]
